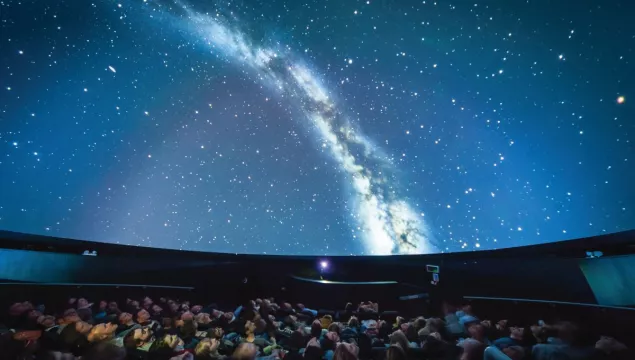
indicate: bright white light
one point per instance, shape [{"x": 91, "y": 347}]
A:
[{"x": 324, "y": 264}]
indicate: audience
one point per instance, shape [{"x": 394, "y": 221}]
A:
[{"x": 265, "y": 330}]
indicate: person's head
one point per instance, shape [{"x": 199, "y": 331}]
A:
[
  {"x": 250, "y": 327},
  {"x": 74, "y": 336},
  {"x": 472, "y": 350},
  {"x": 156, "y": 309},
  {"x": 165, "y": 346},
  {"x": 138, "y": 337},
  {"x": 34, "y": 314},
  {"x": 46, "y": 321},
  {"x": 330, "y": 340},
  {"x": 18, "y": 309},
  {"x": 476, "y": 331},
  {"x": 419, "y": 323},
  {"x": 539, "y": 333},
  {"x": 260, "y": 326},
  {"x": 70, "y": 316},
  {"x": 435, "y": 325},
  {"x": 217, "y": 333},
  {"x": 313, "y": 350},
  {"x": 326, "y": 320},
  {"x": 82, "y": 303},
  {"x": 203, "y": 318},
  {"x": 101, "y": 332},
  {"x": 112, "y": 308},
  {"x": 147, "y": 302},
  {"x": 196, "y": 309},
  {"x": 316, "y": 329},
  {"x": 517, "y": 333},
  {"x": 399, "y": 338},
  {"x": 346, "y": 351},
  {"x": 174, "y": 307},
  {"x": 300, "y": 306},
  {"x": 125, "y": 318},
  {"x": 245, "y": 351},
  {"x": 228, "y": 316},
  {"x": 103, "y": 305},
  {"x": 609, "y": 345},
  {"x": 143, "y": 316},
  {"x": 187, "y": 316},
  {"x": 353, "y": 322},
  {"x": 334, "y": 327},
  {"x": 207, "y": 348},
  {"x": 395, "y": 352},
  {"x": 467, "y": 309}
]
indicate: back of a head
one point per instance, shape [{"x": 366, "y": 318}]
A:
[
  {"x": 399, "y": 338},
  {"x": 346, "y": 351},
  {"x": 395, "y": 352},
  {"x": 472, "y": 350},
  {"x": 245, "y": 351}
]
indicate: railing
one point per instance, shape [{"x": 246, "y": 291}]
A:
[
  {"x": 99, "y": 285},
  {"x": 548, "y": 302},
  {"x": 318, "y": 281}
]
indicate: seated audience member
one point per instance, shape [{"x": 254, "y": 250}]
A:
[
  {"x": 325, "y": 321},
  {"x": 69, "y": 316},
  {"x": 113, "y": 309},
  {"x": 140, "y": 338},
  {"x": 203, "y": 320},
  {"x": 102, "y": 332},
  {"x": 328, "y": 344},
  {"x": 125, "y": 322},
  {"x": 245, "y": 351},
  {"x": 609, "y": 348},
  {"x": 316, "y": 329},
  {"x": 515, "y": 338},
  {"x": 84, "y": 310},
  {"x": 208, "y": 349},
  {"x": 476, "y": 331},
  {"x": 567, "y": 344},
  {"x": 472, "y": 349},
  {"x": 101, "y": 313},
  {"x": 399, "y": 338},
  {"x": 168, "y": 347},
  {"x": 156, "y": 313},
  {"x": 187, "y": 332},
  {"x": 313, "y": 350},
  {"x": 346, "y": 351},
  {"x": 73, "y": 338},
  {"x": 250, "y": 335},
  {"x": 144, "y": 319}
]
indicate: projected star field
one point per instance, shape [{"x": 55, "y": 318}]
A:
[{"x": 317, "y": 127}]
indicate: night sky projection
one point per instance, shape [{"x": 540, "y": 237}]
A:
[{"x": 324, "y": 127}]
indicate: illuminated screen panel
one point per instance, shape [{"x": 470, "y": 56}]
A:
[{"x": 316, "y": 128}]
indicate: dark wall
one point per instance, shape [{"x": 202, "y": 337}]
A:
[{"x": 525, "y": 277}]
